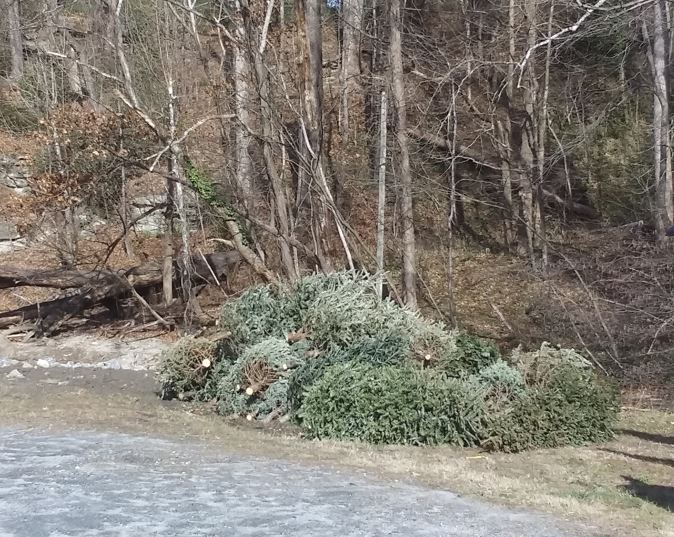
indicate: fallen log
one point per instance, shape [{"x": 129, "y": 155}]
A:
[
  {"x": 99, "y": 287},
  {"x": 204, "y": 266},
  {"x": 57, "y": 279}
]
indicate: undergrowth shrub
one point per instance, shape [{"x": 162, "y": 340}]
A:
[
  {"x": 540, "y": 365},
  {"x": 393, "y": 405},
  {"x": 500, "y": 381},
  {"x": 390, "y": 347},
  {"x": 256, "y": 315},
  {"x": 182, "y": 372},
  {"x": 469, "y": 355},
  {"x": 257, "y": 383},
  {"x": 574, "y": 407}
]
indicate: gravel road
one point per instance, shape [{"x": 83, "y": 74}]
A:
[{"x": 55, "y": 484}]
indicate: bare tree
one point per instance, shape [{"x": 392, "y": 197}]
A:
[
  {"x": 407, "y": 209},
  {"x": 381, "y": 181},
  {"x": 659, "y": 55},
  {"x": 242, "y": 89},
  {"x": 10, "y": 8},
  {"x": 309, "y": 36},
  {"x": 350, "y": 86}
]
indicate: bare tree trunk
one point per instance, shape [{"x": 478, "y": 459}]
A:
[
  {"x": 452, "y": 215},
  {"x": 177, "y": 173},
  {"x": 350, "y": 87},
  {"x": 541, "y": 139},
  {"x": 528, "y": 149},
  {"x": 659, "y": 51},
  {"x": 407, "y": 209},
  {"x": 10, "y": 9},
  {"x": 242, "y": 98},
  {"x": 468, "y": 49},
  {"x": 381, "y": 179},
  {"x": 504, "y": 130},
  {"x": 308, "y": 22},
  {"x": 280, "y": 203},
  {"x": 167, "y": 244}
]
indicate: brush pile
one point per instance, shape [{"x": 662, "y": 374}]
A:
[{"x": 343, "y": 363}]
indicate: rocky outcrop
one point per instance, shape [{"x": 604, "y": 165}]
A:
[{"x": 14, "y": 174}]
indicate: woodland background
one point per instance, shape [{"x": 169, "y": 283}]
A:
[{"x": 506, "y": 164}]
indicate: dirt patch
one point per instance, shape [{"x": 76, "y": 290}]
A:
[{"x": 84, "y": 349}]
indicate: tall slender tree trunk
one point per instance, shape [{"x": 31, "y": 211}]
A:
[
  {"x": 661, "y": 121},
  {"x": 309, "y": 34},
  {"x": 308, "y": 24},
  {"x": 10, "y": 10},
  {"x": 381, "y": 180},
  {"x": 541, "y": 140},
  {"x": 504, "y": 131},
  {"x": 528, "y": 149},
  {"x": 242, "y": 98},
  {"x": 407, "y": 204},
  {"x": 350, "y": 86},
  {"x": 263, "y": 109}
]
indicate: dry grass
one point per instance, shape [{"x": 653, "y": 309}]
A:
[{"x": 624, "y": 487}]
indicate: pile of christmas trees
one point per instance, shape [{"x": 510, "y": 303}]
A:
[{"x": 328, "y": 353}]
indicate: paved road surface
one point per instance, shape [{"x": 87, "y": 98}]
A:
[{"x": 93, "y": 484}]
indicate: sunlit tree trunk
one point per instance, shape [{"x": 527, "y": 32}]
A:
[
  {"x": 349, "y": 79},
  {"x": 10, "y": 10},
  {"x": 407, "y": 205},
  {"x": 381, "y": 181},
  {"x": 659, "y": 38}
]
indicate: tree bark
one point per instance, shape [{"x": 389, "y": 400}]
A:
[
  {"x": 167, "y": 243},
  {"x": 280, "y": 205},
  {"x": 10, "y": 8},
  {"x": 659, "y": 52},
  {"x": 528, "y": 146},
  {"x": 243, "y": 102},
  {"x": 381, "y": 180},
  {"x": 505, "y": 133},
  {"x": 407, "y": 209},
  {"x": 350, "y": 87},
  {"x": 308, "y": 22}
]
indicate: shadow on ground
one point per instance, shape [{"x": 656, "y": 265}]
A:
[
  {"x": 651, "y": 437},
  {"x": 643, "y": 458},
  {"x": 660, "y": 495}
]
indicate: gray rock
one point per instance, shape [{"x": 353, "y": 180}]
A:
[
  {"x": 7, "y": 246},
  {"x": 15, "y": 374},
  {"x": 14, "y": 181},
  {"x": 26, "y": 365},
  {"x": 8, "y": 231},
  {"x": 112, "y": 364},
  {"x": 7, "y": 362},
  {"x": 14, "y": 174},
  {"x": 43, "y": 363}
]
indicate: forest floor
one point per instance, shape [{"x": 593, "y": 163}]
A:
[{"x": 624, "y": 487}]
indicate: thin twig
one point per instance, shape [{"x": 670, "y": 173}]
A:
[{"x": 145, "y": 304}]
